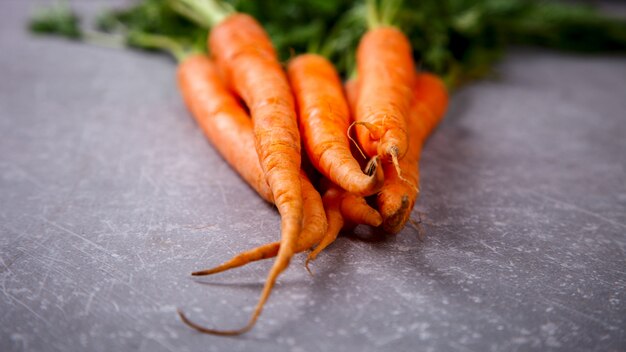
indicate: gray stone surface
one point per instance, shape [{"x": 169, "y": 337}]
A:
[{"x": 110, "y": 196}]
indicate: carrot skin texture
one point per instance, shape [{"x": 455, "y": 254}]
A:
[
  {"x": 244, "y": 52},
  {"x": 386, "y": 74},
  {"x": 225, "y": 122},
  {"x": 222, "y": 119},
  {"x": 242, "y": 48},
  {"x": 397, "y": 198},
  {"x": 324, "y": 118},
  {"x": 355, "y": 210}
]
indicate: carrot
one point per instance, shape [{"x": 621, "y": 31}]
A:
[
  {"x": 207, "y": 101},
  {"x": 342, "y": 208},
  {"x": 355, "y": 210},
  {"x": 222, "y": 119},
  {"x": 241, "y": 46},
  {"x": 315, "y": 227},
  {"x": 245, "y": 55},
  {"x": 225, "y": 124},
  {"x": 351, "y": 90},
  {"x": 324, "y": 119},
  {"x": 386, "y": 76},
  {"x": 397, "y": 198},
  {"x": 332, "y": 207}
]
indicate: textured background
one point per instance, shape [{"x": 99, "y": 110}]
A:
[{"x": 110, "y": 196}]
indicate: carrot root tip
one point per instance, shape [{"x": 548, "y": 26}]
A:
[
  {"x": 205, "y": 330},
  {"x": 417, "y": 225},
  {"x": 306, "y": 265}
]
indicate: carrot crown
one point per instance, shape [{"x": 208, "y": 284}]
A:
[
  {"x": 206, "y": 13},
  {"x": 383, "y": 14}
]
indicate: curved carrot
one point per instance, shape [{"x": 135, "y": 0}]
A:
[
  {"x": 222, "y": 119},
  {"x": 277, "y": 144},
  {"x": 324, "y": 119},
  {"x": 397, "y": 198},
  {"x": 386, "y": 76},
  {"x": 342, "y": 208},
  {"x": 315, "y": 227},
  {"x": 332, "y": 206},
  {"x": 243, "y": 50}
]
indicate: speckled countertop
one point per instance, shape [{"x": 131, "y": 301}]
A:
[{"x": 110, "y": 196}]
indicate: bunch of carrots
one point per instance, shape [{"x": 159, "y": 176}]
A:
[
  {"x": 285, "y": 119},
  {"x": 330, "y": 155}
]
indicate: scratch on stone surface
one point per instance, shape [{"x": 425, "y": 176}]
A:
[
  {"x": 104, "y": 264},
  {"x": 577, "y": 312},
  {"x": 27, "y": 176},
  {"x": 43, "y": 281},
  {"x": 143, "y": 263},
  {"x": 68, "y": 231},
  {"x": 119, "y": 280},
  {"x": 577, "y": 208},
  {"x": 144, "y": 176},
  {"x": 88, "y": 304},
  {"x": 5, "y": 266},
  {"x": 493, "y": 249},
  {"x": 26, "y": 307},
  {"x": 108, "y": 223}
]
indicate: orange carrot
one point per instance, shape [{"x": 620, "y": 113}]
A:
[
  {"x": 222, "y": 119},
  {"x": 276, "y": 139},
  {"x": 225, "y": 124},
  {"x": 386, "y": 76},
  {"x": 324, "y": 119},
  {"x": 397, "y": 198},
  {"x": 342, "y": 208},
  {"x": 315, "y": 227},
  {"x": 355, "y": 210},
  {"x": 243, "y": 50}
]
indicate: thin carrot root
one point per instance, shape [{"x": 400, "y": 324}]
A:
[
  {"x": 202, "y": 329},
  {"x": 313, "y": 232},
  {"x": 280, "y": 264},
  {"x": 417, "y": 225},
  {"x": 263, "y": 252},
  {"x": 332, "y": 206},
  {"x": 334, "y": 226}
]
